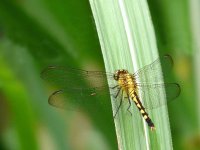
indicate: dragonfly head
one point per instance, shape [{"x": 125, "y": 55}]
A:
[{"x": 118, "y": 73}]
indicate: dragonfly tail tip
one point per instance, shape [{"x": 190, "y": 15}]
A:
[{"x": 153, "y": 128}]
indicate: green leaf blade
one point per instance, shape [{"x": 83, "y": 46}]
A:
[{"x": 128, "y": 42}]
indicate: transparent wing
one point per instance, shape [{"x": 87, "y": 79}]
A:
[
  {"x": 77, "y": 98},
  {"x": 68, "y": 77},
  {"x": 152, "y": 71},
  {"x": 80, "y": 87},
  {"x": 151, "y": 94}
]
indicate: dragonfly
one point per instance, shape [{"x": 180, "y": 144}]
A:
[{"x": 142, "y": 88}]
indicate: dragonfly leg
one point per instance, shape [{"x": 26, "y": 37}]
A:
[
  {"x": 128, "y": 109},
  {"x": 119, "y": 105},
  {"x": 115, "y": 96},
  {"x": 114, "y": 87}
]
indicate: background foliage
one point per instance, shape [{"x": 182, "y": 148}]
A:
[{"x": 38, "y": 33}]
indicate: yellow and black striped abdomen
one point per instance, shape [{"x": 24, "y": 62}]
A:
[{"x": 133, "y": 95}]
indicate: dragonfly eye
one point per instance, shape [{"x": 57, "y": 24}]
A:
[
  {"x": 124, "y": 71},
  {"x": 116, "y": 76}
]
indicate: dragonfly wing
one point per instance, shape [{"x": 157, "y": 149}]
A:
[
  {"x": 151, "y": 95},
  {"x": 68, "y": 77},
  {"x": 152, "y": 71},
  {"x": 77, "y": 98}
]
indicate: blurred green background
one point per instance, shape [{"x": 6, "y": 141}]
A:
[{"x": 37, "y": 33}]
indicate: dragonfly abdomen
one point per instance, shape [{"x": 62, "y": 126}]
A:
[{"x": 135, "y": 98}]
